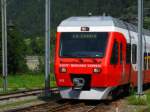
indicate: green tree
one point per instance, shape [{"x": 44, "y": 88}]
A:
[
  {"x": 16, "y": 52},
  {"x": 147, "y": 22},
  {"x": 0, "y": 47},
  {"x": 37, "y": 46},
  {"x": 0, "y": 54}
]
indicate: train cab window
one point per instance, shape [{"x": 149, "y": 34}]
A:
[
  {"x": 114, "y": 56},
  {"x": 121, "y": 53},
  {"x": 128, "y": 53},
  {"x": 134, "y": 53},
  {"x": 83, "y": 44}
]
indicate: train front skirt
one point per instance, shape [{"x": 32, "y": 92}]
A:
[{"x": 92, "y": 94}]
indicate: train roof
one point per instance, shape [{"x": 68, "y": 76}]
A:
[{"x": 99, "y": 21}]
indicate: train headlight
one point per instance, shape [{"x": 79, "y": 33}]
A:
[
  {"x": 63, "y": 69},
  {"x": 96, "y": 70}
]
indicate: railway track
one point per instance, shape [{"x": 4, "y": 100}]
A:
[
  {"x": 69, "y": 106},
  {"x": 24, "y": 94},
  {"x": 45, "y": 107},
  {"x": 57, "y": 105}
]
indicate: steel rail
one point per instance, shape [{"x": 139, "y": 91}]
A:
[
  {"x": 55, "y": 107},
  {"x": 24, "y": 94}
]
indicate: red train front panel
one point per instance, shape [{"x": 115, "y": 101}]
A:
[{"x": 88, "y": 65}]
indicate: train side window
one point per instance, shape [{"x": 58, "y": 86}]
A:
[
  {"x": 128, "y": 53},
  {"x": 114, "y": 56},
  {"x": 121, "y": 53},
  {"x": 134, "y": 53}
]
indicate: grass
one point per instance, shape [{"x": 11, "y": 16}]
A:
[
  {"x": 143, "y": 100},
  {"x": 134, "y": 100},
  {"x": 27, "y": 81},
  {"x": 141, "y": 103}
]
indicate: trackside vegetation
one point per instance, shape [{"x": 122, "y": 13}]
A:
[
  {"x": 26, "y": 81},
  {"x": 140, "y": 101}
]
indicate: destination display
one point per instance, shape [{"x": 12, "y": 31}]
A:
[{"x": 84, "y": 36}]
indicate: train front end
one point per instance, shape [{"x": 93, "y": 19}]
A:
[{"x": 81, "y": 62}]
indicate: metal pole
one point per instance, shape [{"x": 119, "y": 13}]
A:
[
  {"x": 140, "y": 48},
  {"x": 4, "y": 42},
  {"x": 47, "y": 47}
]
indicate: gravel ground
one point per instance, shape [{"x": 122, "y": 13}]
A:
[{"x": 120, "y": 105}]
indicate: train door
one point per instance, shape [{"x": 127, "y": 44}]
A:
[
  {"x": 134, "y": 64},
  {"x": 117, "y": 60},
  {"x": 122, "y": 60},
  {"x": 114, "y": 64},
  {"x": 145, "y": 73},
  {"x": 128, "y": 61}
]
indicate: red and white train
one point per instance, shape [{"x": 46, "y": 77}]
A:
[{"x": 96, "y": 57}]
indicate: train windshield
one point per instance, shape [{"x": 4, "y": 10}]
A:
[{"x": 83, "y": 44}]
